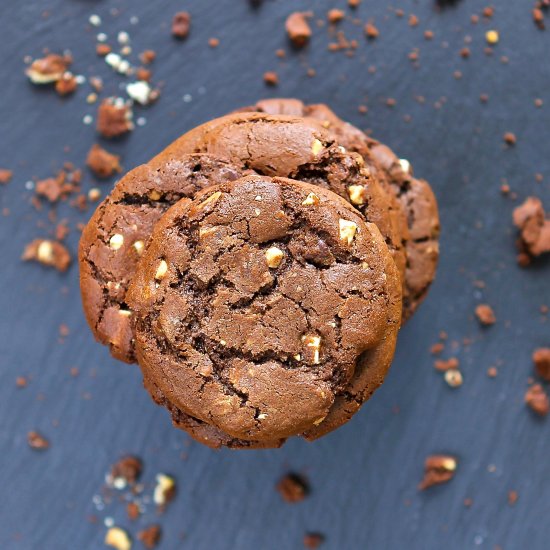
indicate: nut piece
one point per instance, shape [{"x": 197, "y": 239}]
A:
[
  {"x": 313, "y": 342},
  {"x": 347, "y": 230},
  {"x": 274, "y": 256},
  {"x": 311, "y": 200},
  {"x": 118, "y": 538},
  {"x": 161, "y": 270},
  {"x": 357, "y": 194},
  {"x": 139, "y": 246},
  {"x": 316, "y": 147},
  {"x": 211, "y": 200},
  {"x": 116, "y": 241},
  {"x": 438, "y": 469},
  {"x": 453, "y": 377},
  {"x": 165, "y": 490},
  {"x": 405, "y": 165}
]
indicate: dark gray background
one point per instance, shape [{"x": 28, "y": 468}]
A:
[{"x": 364, "y": 476}]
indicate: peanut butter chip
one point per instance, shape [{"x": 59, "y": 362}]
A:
[
  {"x": 116, "y": 241},
  {"x": 311, "y": 199},
  {"x": 161, "y": 270},
  {"x": 154, "y": 195},
  {"x": 316, "y": 147},
  {"x": 274, "y": 256},
  {"x": 356, "y": 194},
  {"x": 347, "y": 231}
]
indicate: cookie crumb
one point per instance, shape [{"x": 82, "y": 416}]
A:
[
  {"x": 5, "y": 176},
  {"x": 335, "y": 15},
  {"x": 133, "y": 511},
  {"x": 181, "y": 24},
  {"x": 541, "y": 359},
  {"x": 293, "y": 487},
  {"x": 534, "y": 227},
  {"x": 21, "y": 382},
  {"x": 102, "y": 163},
  {"x": 492, "y": 372},
  {"x": 114, "y": 117},
  {"x": 66, "y": 85},
  {"x": 485, "y": 314},
  {"x": 271, "y": 78},
  {"x": 48, "y": 253},
  {"x": 48, "y": 69},
  {"x": 213, "y": 42},
  {"x": 125, "y": 472},
  {"x": 371, "y": 31},
  {"x": 537, "y": 400},
  {"x": 445, "y": 365},
  {"x": 313, "y": 540},
  {"x": 438, "y": 469},
  {"x": 298, "y": 29},
  {"x": 510, "y": 138},
  {"x": 512, "y": 497},
  {"x": 150, "y": 536},
  {"x": 37, "y": 441}
]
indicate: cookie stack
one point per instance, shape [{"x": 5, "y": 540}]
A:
[{"x": 259, "y": 269}]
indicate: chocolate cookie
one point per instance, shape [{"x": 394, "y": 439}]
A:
[
  {"x": 265, "y": 308},
  {"x": 418, "y": 215},
  {"x": 301, "y": 149},
  {"x": 119, "y": 231}
]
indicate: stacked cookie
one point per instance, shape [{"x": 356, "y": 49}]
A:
[{"x": 259, "y": 269}]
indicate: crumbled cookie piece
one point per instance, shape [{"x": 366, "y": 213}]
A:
[
  {"x": 165, "y": 490},
  {"x": 125, "y": 472},
  {"x": 445, "y": 365},
  {"x": 181, "y": 24},
  {"x": 102, "y": 163},
  {"x": 49, "y": 253},
  {"x": 485, "y": 314},
  {"x": 150, "y": 536},
  {"x": 541, "y": 359},
  {"x": 147, "y": 56},
  {"x": 313, "y": 540},
  {"x": 298, "y": 29},
  {"x": 114, "y": 117},
  {"x": 438, "y": 469},
  {"x": 335, "y": 15},
  {"x": 534, "y": 228},
  {"x": 537, "y": 400},
  {"x": 37, "y": 441},
  {"x": 5, "y": 176},
  {"x": 293, "y": 487},
  {"x": 48, "y": 69},
  {"x": 118, "y": 538},
  {"x": 67, "y": 84},
  {"x": 55, "y": 188}
]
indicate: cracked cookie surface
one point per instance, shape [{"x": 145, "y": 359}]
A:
[
  {"x": 118, "y": 233},
  {"x": 264, "y": 308},
  {"x": 414, "y": 204}
]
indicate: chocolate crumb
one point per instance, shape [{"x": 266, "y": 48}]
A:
[
  {"x": 298, "y": 29},
  {"x": 541, "y": 359},
  {"x": 150, "y": 536},
  {"x": 102, "y": 163},
  {"x": 537, "y": 400},
  {"x": 48, "y": 253},
  {"x": 293, "y": 487},
  {"x": 313, "y": 540},
  {"x": 485, "y": 314},
  {"x": 37, "y": 441},
  {"x": 438, "y": 469},
  {"x": 181, "y": 24}
]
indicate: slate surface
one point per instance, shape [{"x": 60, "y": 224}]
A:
[{"x": 364, "y": 476}]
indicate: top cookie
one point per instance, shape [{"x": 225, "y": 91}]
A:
[
  {"x": 119, "y": 231},
  {"x": 414, "y": 204},
  {"x": 263, "y": 304}
]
